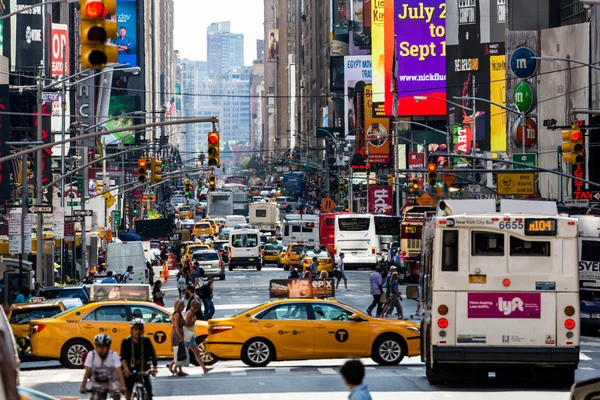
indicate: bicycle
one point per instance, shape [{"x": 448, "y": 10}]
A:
[
  {"x": 139, "y": 391},
  {"x": 103, "y": 393}
]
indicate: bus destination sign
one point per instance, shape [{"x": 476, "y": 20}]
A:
[{"x": 540, "y": 227}]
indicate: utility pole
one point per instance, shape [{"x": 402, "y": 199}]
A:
[
  {"x": 474, "y": 130},
  {"x": 24, "y": 192},
  {"x": 84, "y": 197},
  {"x": 39, "y": 180},
  {"x": 62, "y": 149}
]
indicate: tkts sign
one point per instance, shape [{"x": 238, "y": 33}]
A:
[{"x": 380, "y": 200}]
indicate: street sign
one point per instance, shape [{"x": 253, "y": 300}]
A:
[
  {"x": 524, "y": 96},
  {"x": 110, "y": 201},
  {"x": 83, "y": 213},
  {"x": 530, "y": 132},
  {"x": 522, "y": 63},
  {"x": 73, "y": 218},
  {"x": 448, "y": 179},
  {"x": 595, "y": 196},
  {"x": 14, "y": 233},
  {"x": 524, "y": 158},
  {"x": 69, "y": 230},
  {"x": 72, "y": 203},
  {"x": 327, "y": 205},
  {"x": 41, "y": 209},
  {"x": 59, "y": 222},
  {"x": 511, "y": 183},
  {"x": 108, "y": 236},
  {"x": 426, "y": 200},
  {"x": 117, "y": 217},
  {"x": 48, "y": 97}
]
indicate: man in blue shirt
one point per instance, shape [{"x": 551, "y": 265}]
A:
[
  {"x": 109, "y": 278},
  {"x": 353, "y": 373},
  {"x": 123, "y": 43}
]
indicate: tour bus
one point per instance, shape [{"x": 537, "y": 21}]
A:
[
  {"x": 589, "y": 270},
  {"x": 300, "y": 228},
  {"x": 363, "y": 238},
  {"x": 500, "y": 292},
  {"x": 327, "y": 230}
]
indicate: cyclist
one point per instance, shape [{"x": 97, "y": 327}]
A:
[
  {"x": 103, "y": 368},
  {"x": 137, "y": 353}
]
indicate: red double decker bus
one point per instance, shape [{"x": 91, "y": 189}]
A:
[{"x": 327, "y": 230}]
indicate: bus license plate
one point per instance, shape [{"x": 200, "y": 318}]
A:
[{"x": 477, "y": 279}]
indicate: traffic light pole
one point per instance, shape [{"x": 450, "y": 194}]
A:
[{"x": 39, "y": 234}]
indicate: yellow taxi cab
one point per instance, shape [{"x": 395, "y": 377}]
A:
[
  {"x": 220, "y": 222},
  {"x": 254, "y": 191},
  {"x": 324, "y": 260},
  {"x": 308, "y": 328},
  {"x": 185, "y": 212},
  {"x": 270, "y": 253},
  {"x": 203, "y": 228},
  {"x": 67, "y": 336},
  {"x": 214, "y": 225},
  {"x": 282, "y": 258},
  {"x": 190, "y": 248},
  {"x": 294, "y": 251}
]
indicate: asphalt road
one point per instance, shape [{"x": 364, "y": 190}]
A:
[{"x": 314, "y": 379}]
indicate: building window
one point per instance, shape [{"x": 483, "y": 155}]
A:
[{"x": 502, "y": 9}]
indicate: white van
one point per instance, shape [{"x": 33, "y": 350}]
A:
[
  {"x": 121, "y": 255},
  {"x": 233, "y": 220},
  {"x": 244, "y": 248}
]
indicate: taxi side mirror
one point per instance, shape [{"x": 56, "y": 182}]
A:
[{"x": 355, "y": 318}]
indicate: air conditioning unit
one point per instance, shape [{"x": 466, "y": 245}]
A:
[{"x": 301, "y": 83}]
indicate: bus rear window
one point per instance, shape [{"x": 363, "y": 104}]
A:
[
  {"x": 487, "y": 244},
  {"x": 261, "y": 213},
  {"x": 590, "y": 250},
  {"x": 354, "y": 224},
  {"x": 450, "y": 251},
  {"x": 526, "y": 248},
  {"x": 329, "y": 221}
]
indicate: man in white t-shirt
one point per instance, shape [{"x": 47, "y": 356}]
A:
[
  {"x": 103, "y": 368},
  {"x": 341, "y": 272}
]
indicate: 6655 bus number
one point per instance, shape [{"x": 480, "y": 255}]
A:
[{"x": 511, "y": 225}]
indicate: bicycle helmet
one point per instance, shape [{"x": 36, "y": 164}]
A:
[
  {"x": 102, "y": 340},
  {"x": 137, "y": 322}
]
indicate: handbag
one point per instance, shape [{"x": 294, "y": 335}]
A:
[
  {"x": 383, "y": 298},
  {"x": 181, "y": 353}
]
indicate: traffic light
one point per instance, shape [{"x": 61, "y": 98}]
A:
[
  {"x": 391, "y": 180},
  {"x": 155, "y": 170},
  {"x": 202, "y": 158},
  {"x": 188, "y": 187},
  {"x": 142, "y": 168},
  {"x": 278, "y": 184},
  {"x": 360, "y": 186},
  {"x": 212, "y": 182},
  {"x": 413, "y": 186},
  {"x": 342, "y": 186},
  {"x": 572, "y": 147},
  {"x": 96, "y": 28},
  {"x": 431, "y": 174},
  {"x": 214, "y": 149}
]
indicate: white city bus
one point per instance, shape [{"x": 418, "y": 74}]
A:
[
  {"x": 300, "y": 230},
  {"x": 362, "y": 237},
  {"x": 500, "y": 291}
]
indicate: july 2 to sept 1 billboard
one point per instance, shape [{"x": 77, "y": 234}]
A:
[
  {"x": 127, "y": 32},
  {"x": 420, "y": 29}
]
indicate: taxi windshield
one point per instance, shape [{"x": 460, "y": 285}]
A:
[
  {"x": 184, "y": 209},
  {"x": 322, "y": 254},
  {"x": 24, "y": 316},
  {"x": 206, "y": 256},
  {"x": 297, "y": 248},
  {"x": 202, "y": 226}
]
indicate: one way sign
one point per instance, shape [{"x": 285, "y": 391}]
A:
[
  {"x": 41, "y": 209},
  {"x": 83, "y": 213}
]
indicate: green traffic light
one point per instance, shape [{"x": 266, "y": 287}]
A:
[{"x": 187, "y": 193}]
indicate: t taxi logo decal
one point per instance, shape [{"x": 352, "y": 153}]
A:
[
  {"x": 341, "y": 335},
  {"x": 160, "y": 337}
]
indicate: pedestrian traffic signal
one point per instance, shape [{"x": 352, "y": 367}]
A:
[
  {"x": 413, "y": 186},
  {"x": 212, "y": 182},
  {"x": 96, "y": 28},
  {"x": 142, "y": 169},
  {"x": 156, "y": 170},
  {"x": 431, "y": 174},
  {"x": 572, "y": 147},
  {"x": 214, "y": 149}
]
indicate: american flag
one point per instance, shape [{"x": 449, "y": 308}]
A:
[{"x": 171, "y": 107}]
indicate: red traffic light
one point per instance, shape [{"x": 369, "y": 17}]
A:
[
  {"x": 142, "y": 163},
  {"x": 213, "y": 138},
  {"x": 95, "y": 9},
  {"x": 431, "y": 167},
  {"x": 576, "y": 136}
]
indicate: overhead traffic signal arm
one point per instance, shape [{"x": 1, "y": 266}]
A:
[{"x": 95, "y": 31}]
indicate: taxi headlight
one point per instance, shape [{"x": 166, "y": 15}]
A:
[{"x": 414, "y": 329}]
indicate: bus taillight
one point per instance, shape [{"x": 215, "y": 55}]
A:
[
  {"x": 506, "y": 282},
  {"x": 443, "y": 309},
  {"x": 443, "y": 323},
  {"x": 570, "y": 324},
  {"x": 569, "y": 311}
]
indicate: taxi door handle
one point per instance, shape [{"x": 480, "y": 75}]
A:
[
  {"x": 321, "y": 326},
  {"x": 269, "y": 325},
  {"x": 88, "y": 326}
]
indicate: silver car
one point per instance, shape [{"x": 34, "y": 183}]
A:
[{"x": 210, "y": 261}]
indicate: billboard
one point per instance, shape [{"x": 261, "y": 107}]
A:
[
  {"x": 120, "y": 109},
  {"x": 126, "y": 40},
  {"x": 361, "y": 33},
  {"x": 377, "y": 132},
  {"x": 380, "y": 200},
  {"x": 273, "y": 50},
  {"x": 5, "y": 189},
  {"x": 27, "y": 49},
  {"x": 420, "y": 30},
  {"x": 60, "y": 40},
  {"x": 378, "y": 50},
  {"x": 356, "y": 69},
  {"x": 497, "y": 95}
]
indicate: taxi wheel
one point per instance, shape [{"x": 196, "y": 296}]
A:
[
  {"x": 207, "y": 358},
  {"x": 257, "y": 353},
  {"x": 72, "y": 353},
  {"x": 388, "y": 350}
]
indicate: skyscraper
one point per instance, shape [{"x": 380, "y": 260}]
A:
[{"x": 225, "y": 50}]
